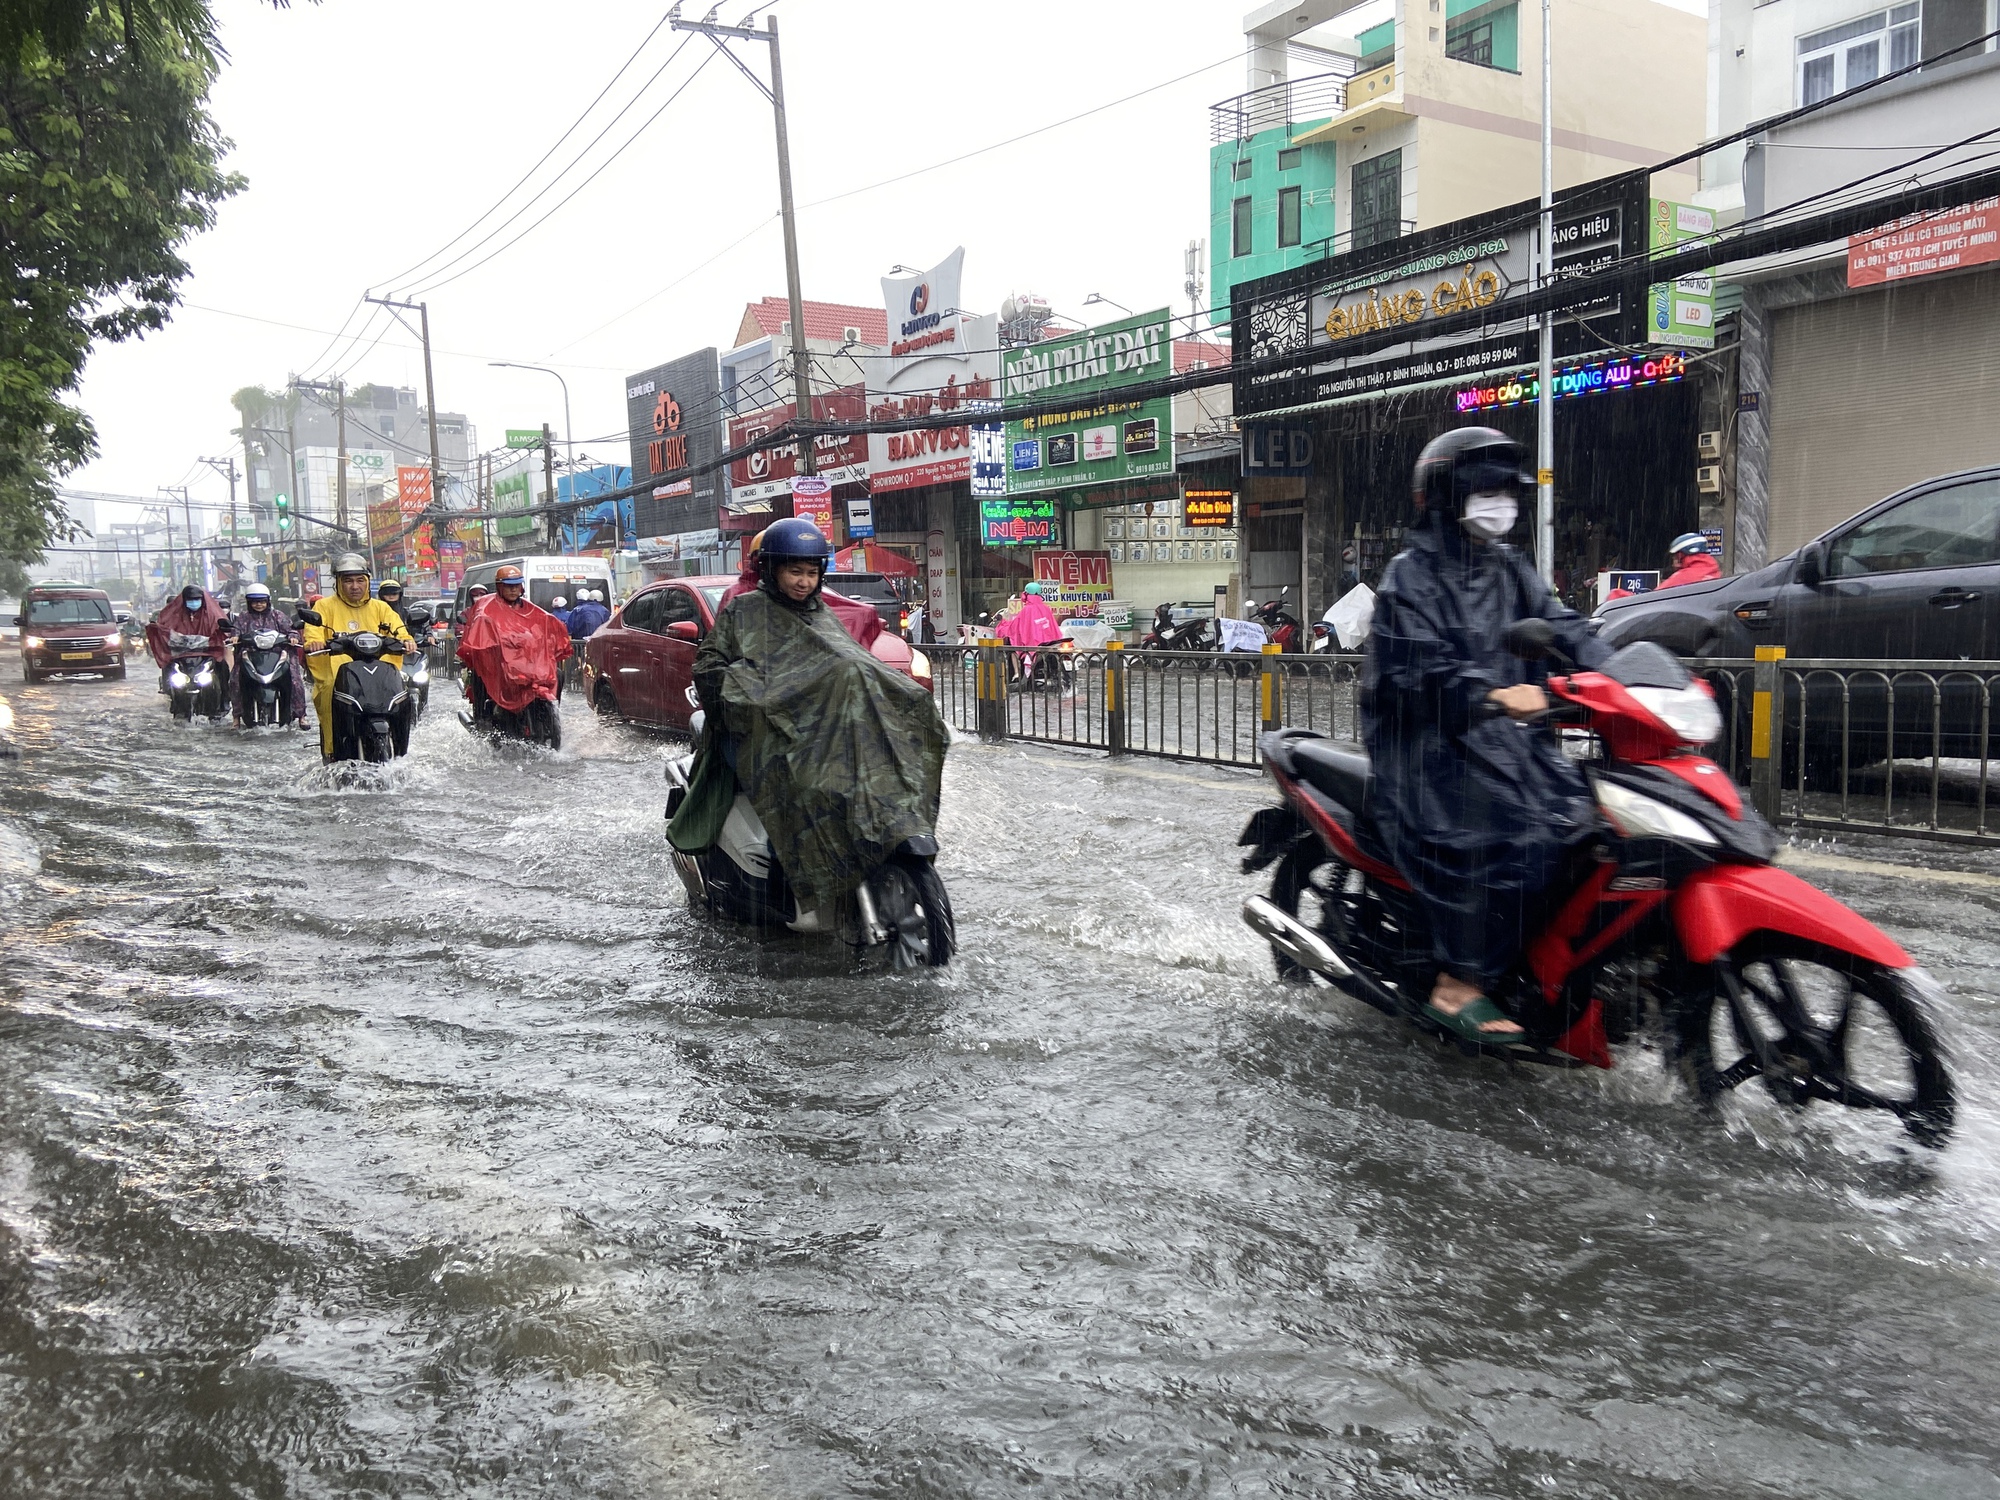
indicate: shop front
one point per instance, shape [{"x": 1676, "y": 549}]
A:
[
  {"x": 674, "y": 420},
  {"x": 1329, "y": 448}
]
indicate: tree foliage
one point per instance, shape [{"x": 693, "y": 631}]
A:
[{"x": 109, "y": 162}]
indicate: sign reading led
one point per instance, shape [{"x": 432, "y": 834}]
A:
[{"x": 1574, "y": 380}]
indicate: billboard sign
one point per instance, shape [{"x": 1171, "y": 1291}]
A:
[
  {"x": 940, "y": 360},
  {"x": 524, "y": 437},
  {"x": 413, "y": 489},
  {"x": 673, "y": 417},
  {"x": 1382, "y": 302},
  {"x": 767, "y": 473},
  {"x": 1680, "y": 314},
  {"x": 1096, "y": 437},
  {"x": 515, "y": 492},
  {"x": 1018, "y": 521},
  {"x": 812, "y": 500},
  {"x": 1074, "y": 583},
  {"x": 1925, "y": 244}
]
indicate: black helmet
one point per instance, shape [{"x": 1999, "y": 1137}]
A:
[
  {"x": 1467, "y": 461},
  {"x": 192, "y": 594},
  {"x": 387, "y": 587}
]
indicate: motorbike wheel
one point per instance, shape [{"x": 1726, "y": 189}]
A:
[
  {"x": 1815, "y": 1024},
  {"x": 182, "y": 707},
  {"x": 544, "y": 724},
  {"x": 911, "y": 894}
]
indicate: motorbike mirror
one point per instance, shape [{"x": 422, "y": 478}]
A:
[
  {"x": 419, "y": 615},
  {"x": 310, "y": 617},
  {"x": 1531, "y": 640}
]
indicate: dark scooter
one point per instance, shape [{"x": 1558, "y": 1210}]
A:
[
  {"x": 371, "y": 716},
  {"x": 197, "y": 683},
  {"x": 1197, "y": 634},
  {"x": 1672, "y": 920},
  {"x": 902, "y": 906},
  {"x": 1280, "y": 625},
  {"x": 264, "y": 678},
  {"x": 417, "y": 663}
]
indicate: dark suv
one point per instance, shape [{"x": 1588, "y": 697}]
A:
[
  {"x": 1914, "y": 578},
  {"x": 69, "y": 627}
]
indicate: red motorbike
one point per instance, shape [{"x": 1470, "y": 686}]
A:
[{"x": 1672, "y": 920}]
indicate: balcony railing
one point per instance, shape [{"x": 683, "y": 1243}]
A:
[{"x": 1319, "y": 97}]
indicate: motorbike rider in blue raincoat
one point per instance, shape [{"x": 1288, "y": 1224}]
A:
[{"x": 1473, "y": 804}]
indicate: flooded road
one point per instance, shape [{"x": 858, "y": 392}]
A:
[{"x": 418, "y": 1142}]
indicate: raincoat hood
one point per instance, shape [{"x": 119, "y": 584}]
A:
[
  {"x": 175, "y": 618},
  {"x": 516, "y": 650}
]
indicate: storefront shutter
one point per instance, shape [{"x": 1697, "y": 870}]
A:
[{"x": 1874, "y": 392}]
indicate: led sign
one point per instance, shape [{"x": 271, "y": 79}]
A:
[
  {"x": 1574, "y": 380},
  {"x": 1208, "y": 509},
  {"x": 1023, "y": 520}
]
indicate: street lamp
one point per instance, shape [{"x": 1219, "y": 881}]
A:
[
  {"x": 569, "y": 431},
  {"x": 1097, "y": 297}
]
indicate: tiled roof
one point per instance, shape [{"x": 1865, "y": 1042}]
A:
[
  {"x": 824, "y": 320},
  {"x": 1187, "y": 352}
]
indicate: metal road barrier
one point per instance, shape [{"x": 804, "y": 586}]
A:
[{"x": 1884, "y": 747}]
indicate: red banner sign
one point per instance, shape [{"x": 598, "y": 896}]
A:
[
  {"x": 413, "y": 490},
  {"x": 767, "y": 473},
  {"x": 1925, "y": 244}
]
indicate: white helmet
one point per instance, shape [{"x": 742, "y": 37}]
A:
[{"x": 559, "y": 602}]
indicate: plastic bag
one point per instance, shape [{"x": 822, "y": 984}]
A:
[{"x": 1352, "y": 615}]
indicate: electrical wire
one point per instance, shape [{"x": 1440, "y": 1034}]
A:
[{"x": 623, "y": 67}]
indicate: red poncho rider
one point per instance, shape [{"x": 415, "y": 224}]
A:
[
  {"x": 514, "y": 647},
  {"x": 192, "y": 612}
]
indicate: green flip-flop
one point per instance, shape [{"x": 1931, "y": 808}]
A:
[{"x": 1466, "y": 1023}]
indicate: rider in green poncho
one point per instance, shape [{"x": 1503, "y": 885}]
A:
[{"x": 841, "y": 756}]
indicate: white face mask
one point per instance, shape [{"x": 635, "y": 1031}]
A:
[{"x": 1490, "y": 516}]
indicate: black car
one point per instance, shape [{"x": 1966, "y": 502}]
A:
[{"x": 1914, "y": 578}]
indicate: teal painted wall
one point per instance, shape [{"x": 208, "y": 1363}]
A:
[
  {"x": 1378, "y": 46},
  {"x": 1506, "y": 21},
  {"x": 1314, "y": 176}
]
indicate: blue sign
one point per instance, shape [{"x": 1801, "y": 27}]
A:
[
  {"x": 1028, "y": 454},
  {"x": 1277, "y": 450}
]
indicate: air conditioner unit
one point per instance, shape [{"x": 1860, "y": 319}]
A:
[
  {"x": 1708, "y": 479},
  {"x": 851, "y": 335},
  {"x": 1709, "y": 444}
]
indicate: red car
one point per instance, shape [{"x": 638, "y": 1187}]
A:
[{"x": 639, "y": 665}]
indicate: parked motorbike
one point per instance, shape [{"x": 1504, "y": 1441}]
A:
[
  {"x": 264, "y": 678},
  {"x": 1673, "y": 917},
  {"x": 195, "y": 681},
  {"x": 1280, "y": 625},
  {"x": 902, "y": 906},
  {"x": 371, "y": 718},
  {"x": 1197, "y": 634},
  {"x": 417, "y": 663}
]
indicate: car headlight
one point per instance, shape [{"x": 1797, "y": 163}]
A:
[
  {"x": 1689, "y": 712},
  {"x": 920, "y": 666},
  {"x": 33, "y": 642},
  {"x": 113, "y": 639},
  {"x": 177, "y": 679},
  {"x": 1634, "y": 813}
]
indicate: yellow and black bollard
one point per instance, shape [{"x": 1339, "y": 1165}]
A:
[
  {"x": 1767, "y": 729},
  {"x": 1272, "y": 689},
  {"x": 1114, "y": 697},
  {"x": 990, "y": 682}
]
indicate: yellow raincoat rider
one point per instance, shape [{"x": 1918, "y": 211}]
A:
[{"x": 347, "y": 608}]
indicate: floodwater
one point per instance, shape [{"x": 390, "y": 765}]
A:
[{"x": 417, "y": 1141}]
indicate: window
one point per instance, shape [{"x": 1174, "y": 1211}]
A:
[
  {"x": 1288, "y": 161},
  {"x": 1377, "y": 203},
  {"x": 677, "y": 606},
  {"x": 1957, "y": 527},
  {"x": 1239, "y": 227},
  {"x": 1288, "y": 217},
  {"x": 1239, "y": 171},
  {"x": 1855, "y": 52},
  {"x": 1472, "y": 44},
  {"x": 642, "y": 612},
  {"x": 69, "y": 612}
]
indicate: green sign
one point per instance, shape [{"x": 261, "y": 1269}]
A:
[
  {"x": 514, "y": 493},
  {"x": 1680, "y": 314},
  {"x": 524, "y": 437},
  {"x": 1018, "y": 521},
  {"x": 1095, "y": 437}
]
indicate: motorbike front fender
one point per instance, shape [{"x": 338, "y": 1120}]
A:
[{"x": 1722, "y": 905}]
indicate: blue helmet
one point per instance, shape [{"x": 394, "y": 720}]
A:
[
  {"x": 794, "y": 540},
  {"x": 1688, "y": 541}
]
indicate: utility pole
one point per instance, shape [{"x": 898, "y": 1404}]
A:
[
  {"x": 569, "y": 427},
  {"x": 227, "y": 469},
  {"x": 801, "y": 369},
  {"x": 549, "y": 486},
  {"x": 1545, "y": 397},
  {"x": 423, "y": 312},
  {"x": 167, "y": 516}
]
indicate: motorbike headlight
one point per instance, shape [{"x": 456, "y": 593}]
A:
[
  {"x": 113, "y": 638},
  {"x": 920, "y": 666},
  {"x": 422, "y": 674},
  {"x": 1635, "y": 814},
  {"x": 33, "y": 642},
  {"x": 204, "y": 677},
  {"x": 177, "y": 679},
  {"x": 1689, "y": 712}
]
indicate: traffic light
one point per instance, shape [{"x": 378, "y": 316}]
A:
[{"x": 284, "y": 505}]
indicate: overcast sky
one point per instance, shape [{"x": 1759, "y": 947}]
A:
[{"x": 372, "y": 132}]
